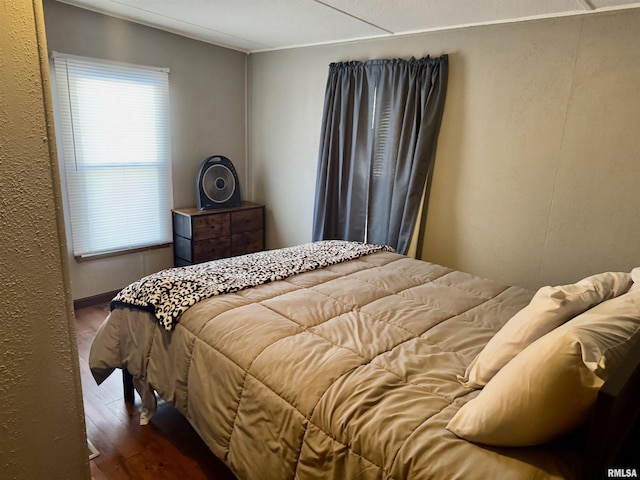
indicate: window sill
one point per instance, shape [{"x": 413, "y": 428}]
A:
[{"x": 115, "y": 253}]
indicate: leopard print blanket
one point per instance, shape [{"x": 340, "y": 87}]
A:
[{"x": 169, "y": 293}]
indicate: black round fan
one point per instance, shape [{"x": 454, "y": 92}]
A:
[{"x": 217, "y": 184}]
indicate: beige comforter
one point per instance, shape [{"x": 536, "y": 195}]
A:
[{"x": 348, "y": 372}]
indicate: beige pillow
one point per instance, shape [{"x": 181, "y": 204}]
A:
[
  {"x": 549, "y": 308},
  {"x": 549, "y": 388},
  {"x": 635, "y": 276}
]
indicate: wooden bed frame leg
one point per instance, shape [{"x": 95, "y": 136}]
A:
[{"x": 127, "y": 384}]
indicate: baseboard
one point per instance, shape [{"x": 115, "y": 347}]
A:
[{"x": 94, "y": 300}]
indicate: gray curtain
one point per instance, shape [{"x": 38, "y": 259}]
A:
[{"x": 379, "y": 133}]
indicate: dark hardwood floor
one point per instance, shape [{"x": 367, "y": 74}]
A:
[{"x": 166, "y": 448}]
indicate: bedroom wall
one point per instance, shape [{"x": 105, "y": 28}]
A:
[
  {"x": 207, "y": 116},
  {"x": 41, "y": 414},
  {"x": 537, "y": 170}
]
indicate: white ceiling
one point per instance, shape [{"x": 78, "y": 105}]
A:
[{"x": 260, "y": 25}]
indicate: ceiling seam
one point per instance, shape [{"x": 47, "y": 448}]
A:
[{"x": 320, "y": 2}]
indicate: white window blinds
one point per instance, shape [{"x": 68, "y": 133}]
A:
[{"x": 112, "y": 122}]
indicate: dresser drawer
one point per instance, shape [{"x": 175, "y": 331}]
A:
[
  {"x": 247, "y": 242},
  {"x": 247, "y": 220},
  {"x": 211, "y": 249},
  {"x": 201, "y": 250},
  {"x": 211, "y": 226}
]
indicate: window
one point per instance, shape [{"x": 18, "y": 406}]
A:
[{"x": 113, "y": 130}]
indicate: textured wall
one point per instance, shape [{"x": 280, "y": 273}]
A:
[
  {"x": 536, "y": 176},
  {"x": 41, "y": 416}
]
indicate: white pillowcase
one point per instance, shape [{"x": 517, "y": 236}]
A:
[
  {"x": 550, "y": 387},
  {"x": 549, "y": 308}
]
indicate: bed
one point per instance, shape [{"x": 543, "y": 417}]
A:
[{"x": 345, "y": 365}]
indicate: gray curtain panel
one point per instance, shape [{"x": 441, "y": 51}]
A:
[{"x": 379, "y": 133}]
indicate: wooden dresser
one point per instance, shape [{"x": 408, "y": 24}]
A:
[{"x": 204, "y": 235}]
